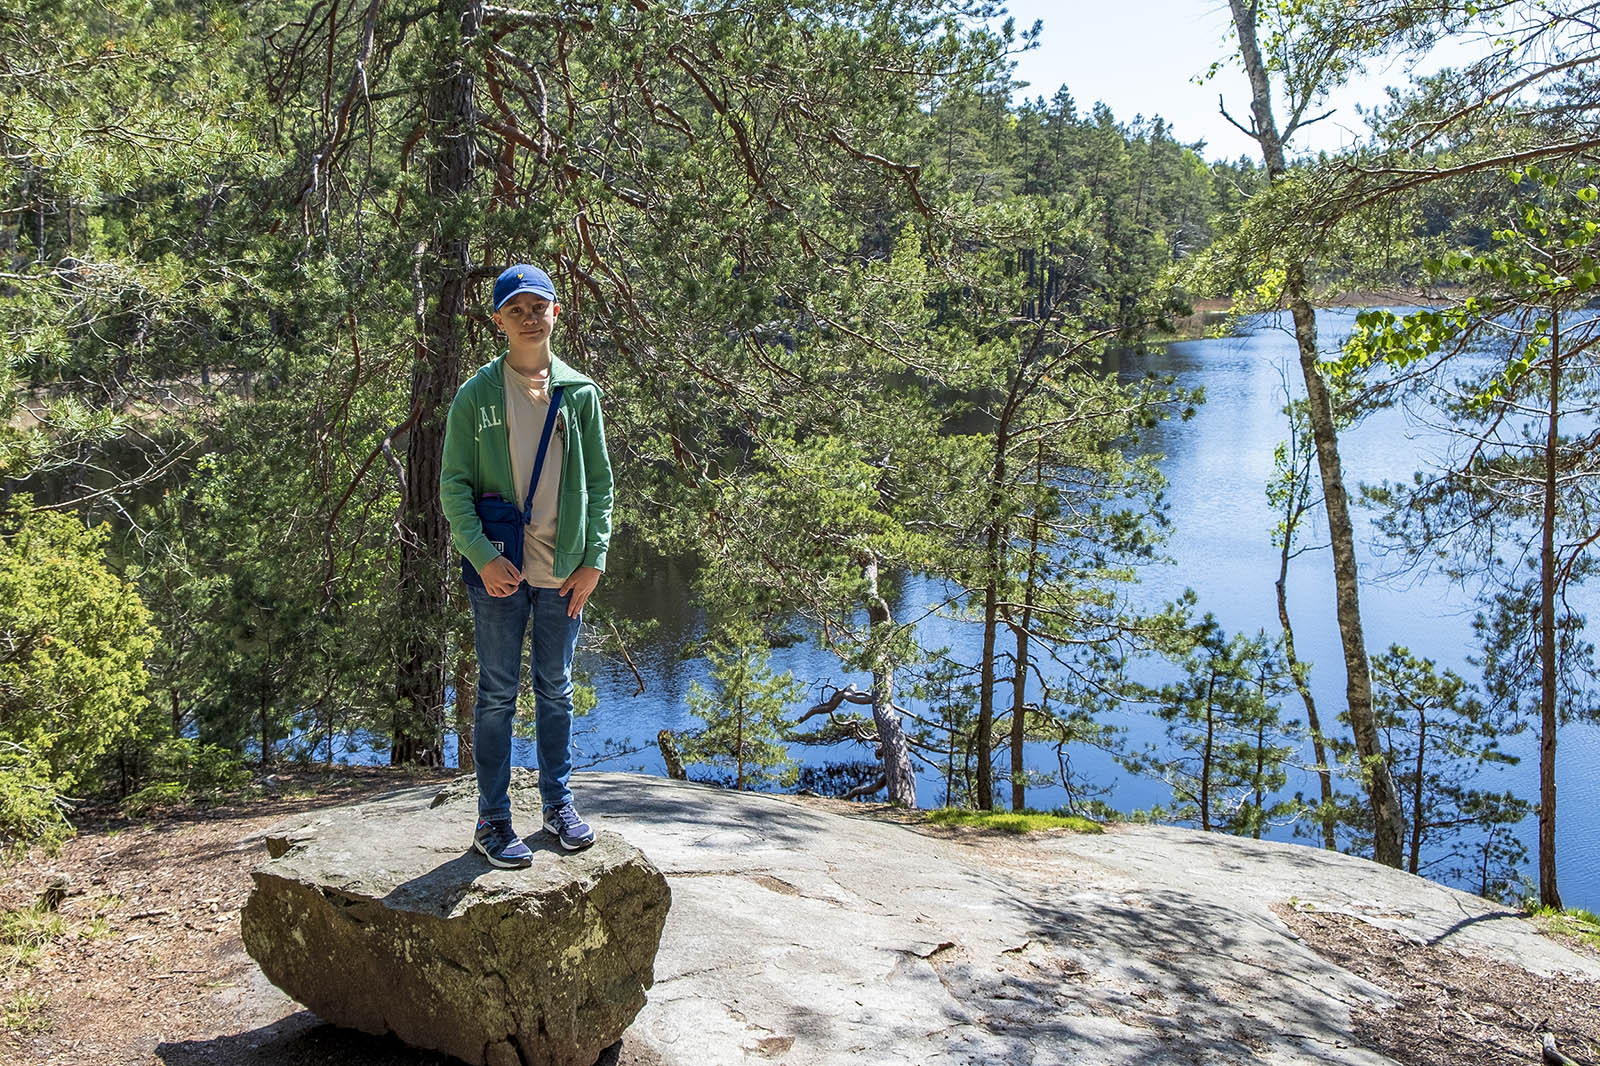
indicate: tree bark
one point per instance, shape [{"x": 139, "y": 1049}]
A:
[
  {"x": 1417, "y": 814},
  {"x": 738, "y": 745},
  {"x": 1549, "y": 896},
  {"x": 1019, "y": 718},
  {"x": 1297, "y": 669},
  {"x": 425, "y": 543},
  {"x": 899, "y": 781},
  {"x": 991, "y": 612},
  {"x": 1388, "y": 819},
  {"x": 994, "y": 568},
  {"x": 1205, "y": 758},
  {"x": 1019, "y": 677}
]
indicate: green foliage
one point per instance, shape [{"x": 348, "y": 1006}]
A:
[
  {"x": 183, "y": 770},
  {"x": 1574, "y": 922},
  {"x": 1018, "y": 822},
  {"x": 24, "y": 933},
  {"x": 1438, "y": 736},
  {"x": 1544, "y": 257},
  {"x": 745, "y": 711},
  {"x": 31, "y": 814},
  {"x": 1233, "y": 749},
  {"x": 110, "y": 117},
  {"x": 72, "y": 676},
  {"x": 153, "y": 798}
]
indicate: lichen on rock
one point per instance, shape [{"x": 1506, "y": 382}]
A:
[{"x": 379, "y": 917}]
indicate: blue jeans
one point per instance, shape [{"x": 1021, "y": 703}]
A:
[{"x": 499, "y": 624}]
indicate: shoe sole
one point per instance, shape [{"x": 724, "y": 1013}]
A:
[
  {"x": 577, "y": 846},
  {"x": 504, "y": 864}
]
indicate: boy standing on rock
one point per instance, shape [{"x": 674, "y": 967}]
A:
[{"x": 525, "y": 453}]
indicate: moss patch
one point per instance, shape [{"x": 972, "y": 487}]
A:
[{"x": 1012, "y": 821}]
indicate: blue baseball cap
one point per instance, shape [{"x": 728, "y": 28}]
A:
[{"x": 522, "y": 278}]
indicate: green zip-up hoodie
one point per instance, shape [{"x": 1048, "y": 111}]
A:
[{"x": 477, "y": 460}]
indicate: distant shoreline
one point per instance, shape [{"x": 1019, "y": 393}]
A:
[{"x": 1211, "y": 312}]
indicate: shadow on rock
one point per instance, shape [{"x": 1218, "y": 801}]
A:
[
  {"x": 299, "y": 1040},
  {"x": 305, "y": 1040},
  {"x": 440, "y": 889}
]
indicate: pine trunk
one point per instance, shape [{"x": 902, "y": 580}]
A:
[
  {"x": 1549, "y": 896},
  {"x": 1205, "y": 757},
  {"x": 1019, "y": 718},
  {"x": 1297, "y": 672},
  {"x": 985, "y": 732},
  {"x": 1019, "y": 678},
  {"x": 444, "y": 266},
  {"x": 1417, "y": 812}
]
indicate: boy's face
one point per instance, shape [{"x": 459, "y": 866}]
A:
[{"x": 527, "y": 319}]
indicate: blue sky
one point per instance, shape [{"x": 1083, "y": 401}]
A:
[{"x": 1141, "y": 56}]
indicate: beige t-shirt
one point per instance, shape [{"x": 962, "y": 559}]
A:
[{"x": 527, "y": 404}]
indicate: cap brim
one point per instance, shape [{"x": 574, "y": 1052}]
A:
[{"x": 535, "y": 289}]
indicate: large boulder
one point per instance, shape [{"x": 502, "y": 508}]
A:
[{"x": 380, "y": 917}]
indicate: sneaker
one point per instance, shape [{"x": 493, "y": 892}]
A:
[
  {"x": 572, "y": 831},
  {"x": 501, "y": 845}
]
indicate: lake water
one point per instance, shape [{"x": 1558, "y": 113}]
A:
[{"x": 1217, "y": 464}]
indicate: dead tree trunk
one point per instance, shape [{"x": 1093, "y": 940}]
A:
[{"x": 898, "y": 778}]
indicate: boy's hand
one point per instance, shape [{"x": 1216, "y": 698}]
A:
[
  {"x": 500, "y": 578},
  {"x": 580, "y": 583}
]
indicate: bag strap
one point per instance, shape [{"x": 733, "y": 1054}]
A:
[{"x": 544, "y": 446}]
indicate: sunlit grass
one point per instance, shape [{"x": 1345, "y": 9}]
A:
[
  {"x": 1012, "y": 821},
  {"x": 24, "y": 1013},
  {"x": 24, "y": 932},
  {"x": 1581, "y": 925}
]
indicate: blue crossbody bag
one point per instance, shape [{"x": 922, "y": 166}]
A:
[{"x": 504, "y": 522}]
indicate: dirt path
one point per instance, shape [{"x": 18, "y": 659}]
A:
[{"x": 145, "y": 963}]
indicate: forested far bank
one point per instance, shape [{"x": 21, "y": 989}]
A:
[{"x": 853, "y": 309}]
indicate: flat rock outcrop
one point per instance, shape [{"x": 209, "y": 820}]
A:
[
  {"x": 380, "y": 918},
  {"x": 804, "y": 934}
]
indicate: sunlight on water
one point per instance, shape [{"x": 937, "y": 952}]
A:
[{"x": 1218, "y": 464}]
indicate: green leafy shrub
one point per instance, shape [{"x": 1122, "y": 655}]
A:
[
  {"x": 29, "y": 810},
  {"x": 181, "y": 770},
  {"x": 73, "y": 640},
  {"x": 198, "y": 769}
]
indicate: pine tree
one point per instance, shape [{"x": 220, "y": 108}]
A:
[
  {"x": 1439, "y": 736},
  {"x": 745, "y": 711}
]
